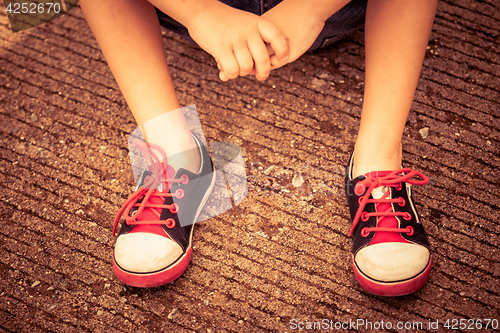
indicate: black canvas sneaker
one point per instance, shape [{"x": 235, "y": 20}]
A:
[
  {"x": 153, "y": 246},
  {"x": 391, "y": 254}
]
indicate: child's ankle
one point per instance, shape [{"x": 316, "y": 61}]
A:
[
  {"x": 170, "y": 131},
  {"x": 189, "y": 159},
  {"x": 368, "y": 161}
]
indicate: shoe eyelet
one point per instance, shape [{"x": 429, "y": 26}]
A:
[
  {"x": 359, "y": 200},
  {"x": 359, "y": 189},
  {"x": 185, "y": 179},
  {"x": 364, "y": 217},
  {"x": 407, "y": 216},
  {"x": 179, "y": 193},
  {"x": 365, "y": 233},
  {"x": 410, "y": 231},
  {"x": 132, "y": 212},
  {"x": 399, "y": 187},
  {"x": 402, "y": 202},
  {"x": 175, "y": 210},
  {"x": 170, "y": 223}
]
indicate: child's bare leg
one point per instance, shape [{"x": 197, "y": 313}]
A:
[
  {"x": 396, "y": 260},
  {"x": 396, "y": 36},
  {"x": 129, "y": 35}
]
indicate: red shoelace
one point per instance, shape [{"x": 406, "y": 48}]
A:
[
  {"x": 393, "y": 179},
  {"x": 152, "y": 198}
]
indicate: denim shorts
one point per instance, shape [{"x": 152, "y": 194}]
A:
[{"x": 346, "y": 20}]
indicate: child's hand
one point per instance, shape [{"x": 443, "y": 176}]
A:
[
  {"x": 237, "y": 40},
  {"x": 299, "y": 26}
]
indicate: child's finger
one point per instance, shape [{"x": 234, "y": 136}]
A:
[
  {"x": 270, "y": 50},
  {"x": 276, "y": 63},
  {"x": 221, "y": 71},
  {"x": 228, "y": 65},
  {"x": 244, "y": 59},
  {"x": 222, "y": 76},
  {"x": 261, "y": 58},
  {"x": 273, "y": 36}
]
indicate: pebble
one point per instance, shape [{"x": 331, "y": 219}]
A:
[
  {"x": 172, "y": 313},
  {"x": 424, "y": 132},
  {"x": 262, "y": 234},
  {"x": 317, "y": 83},
  {"x": 269, "y": 169},
  {"x": 34, "y": 117},
  {"x": 297, "y": 180},
  {"x": 326, "y": 76},
  {"x": 36, "y": 283}
]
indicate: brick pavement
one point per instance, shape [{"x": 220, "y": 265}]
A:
[{"x": 284, "y": 252}]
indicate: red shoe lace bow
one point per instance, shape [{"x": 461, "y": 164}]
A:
[
  {"x": 393, "y": 179},
  {"x": 161, "y": 174}
]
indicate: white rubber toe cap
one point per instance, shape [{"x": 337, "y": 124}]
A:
[
  {"x": 145, "y": 252},
  {"x": 390, "y": 262}
]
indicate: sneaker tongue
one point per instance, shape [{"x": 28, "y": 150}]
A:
[{"x": 378, "y": 192}]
